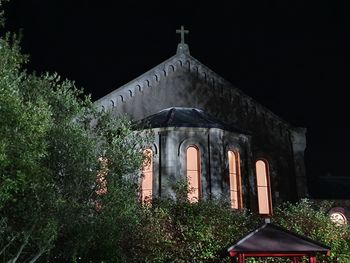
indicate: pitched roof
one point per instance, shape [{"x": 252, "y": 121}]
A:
[
  {"x": 272, "y": 238},
  {"x": 182, "y": 59},
  {"x": 185, "y": 117}
]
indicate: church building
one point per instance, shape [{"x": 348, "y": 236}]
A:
[{"x": 210, "y": 133}]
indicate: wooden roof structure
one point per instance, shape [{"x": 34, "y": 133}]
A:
[{"x": 271, "y": 240}]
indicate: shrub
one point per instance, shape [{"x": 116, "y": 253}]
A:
[
  {"x": 311, "y": 219},
  {"x": 180, "y": 231},
  {"x": 175, "y": 230}
]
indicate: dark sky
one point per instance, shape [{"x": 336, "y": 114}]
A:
[{"x": 291, "y": 56}]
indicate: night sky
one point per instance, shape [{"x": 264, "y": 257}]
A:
[{"x": 291, "y": 56}]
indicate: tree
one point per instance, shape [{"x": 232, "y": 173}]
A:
[
  {"x": 51, "y": 141},
  {"x": 310, "y": 218},
  {"x": 180, "y": 231},
  {"x": 177, "y": 230}
]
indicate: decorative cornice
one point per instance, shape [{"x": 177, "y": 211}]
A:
[{"x": 184, "y": 61}]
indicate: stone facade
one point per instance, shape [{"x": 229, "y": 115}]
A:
[{"x": 183, "y": 82}]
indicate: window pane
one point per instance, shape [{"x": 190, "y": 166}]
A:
[
  {"x": 147, "y": 176},
  {"x": 263, "y": 188},
  {"x": 263, "y": 200},
  {"x": 234, "y": 180},
  {"x": 338, "y": 218},
  {"x": 192, "y": 159},
  {"x": 101, "y": 176},
  {"x": 232, "y": 161},
  {"x": 261, "y": 173},
  {"x": 193, "y": 173},
  {"x": 192, "y": 177}
]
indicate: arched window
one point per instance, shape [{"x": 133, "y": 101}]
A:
[
  {"x": 263, "y": 187},
  {"x": 147, "y": 176},
  {"x": 235, "y": 180},
  {"x": 101, "y": 181},
  {"x": 339, "y": 215},
  {"x": 338, "y": 218},
  {"x": 193, "y": 173},
  {"x": 101, "y": 176}
]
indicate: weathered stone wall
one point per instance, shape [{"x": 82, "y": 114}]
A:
[
  {"x": 182, "y": 81},
  {"x": 170, "y": 146}
]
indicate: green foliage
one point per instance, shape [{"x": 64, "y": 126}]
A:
[
  {"x": 51, "y": 143},
  {"x": 24, "y": 186},
  {"x": 311, "y": 219},
  {"x": 51, "y": 140},
  {"x": 175, "y": 230},
  {"x": 2, "y": 19}
]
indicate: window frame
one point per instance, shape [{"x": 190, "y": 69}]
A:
[
  {"x": 190, "y": 196},
  {"x": 149, "y": 172},
  {"x": 268, "y": 187},
  {"x": 236, "y": 176}
]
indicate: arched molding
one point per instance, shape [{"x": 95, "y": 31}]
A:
[
  {"x": 154, "y": 147},
  {"x": 212, "y": 83},
  {"x": 156, "y": 77},
  {"x": 171, "y": 68},
  {"x": 204, "y": 74},
  {"x": 120, "y": 98},
  {"x": 232, "y": 147},
  {"x": 188, "y": 65},
  {"x": 188, "y": 142},
  {"x": 147, "y": 83},
  {"x": 138, "y": 88},
  {"x": 180, "y": 63},
  {"x": 195, "y": 70},
  {"x": 182, "y": 152}
]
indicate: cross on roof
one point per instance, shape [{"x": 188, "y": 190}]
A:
[{"x": 182, "y": 31}]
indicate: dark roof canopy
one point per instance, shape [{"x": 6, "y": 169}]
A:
[
  {"x": 271, "y": 239},
  {"x": 184, "y": 117}
]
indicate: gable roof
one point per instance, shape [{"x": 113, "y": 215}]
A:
[
  {"x": 271, "y": 238},
  {"x": 182, "y": 59},
  {"x": 185, "y": 117}
]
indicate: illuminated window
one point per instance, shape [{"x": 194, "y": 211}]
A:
[
  {"x": 339, "y": 215},
  {"x": 338, "y": 218},
  {"x": 147, "y": 176},
  {"x": 101, "y": 176},
  {"x": 263, "y": 185},
  {"x": 235, "y": 180},
  {"x": 101, "y": 182},
  {"x": 193, "y": 173}
]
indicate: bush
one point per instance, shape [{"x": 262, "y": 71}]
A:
[
  {"x": 310, "y": 219},
  {"x": 180, "y": 231}
]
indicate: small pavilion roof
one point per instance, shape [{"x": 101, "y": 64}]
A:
[
  {"x": 185, "y": 117},
  {"x": 272, "y": 239}
]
